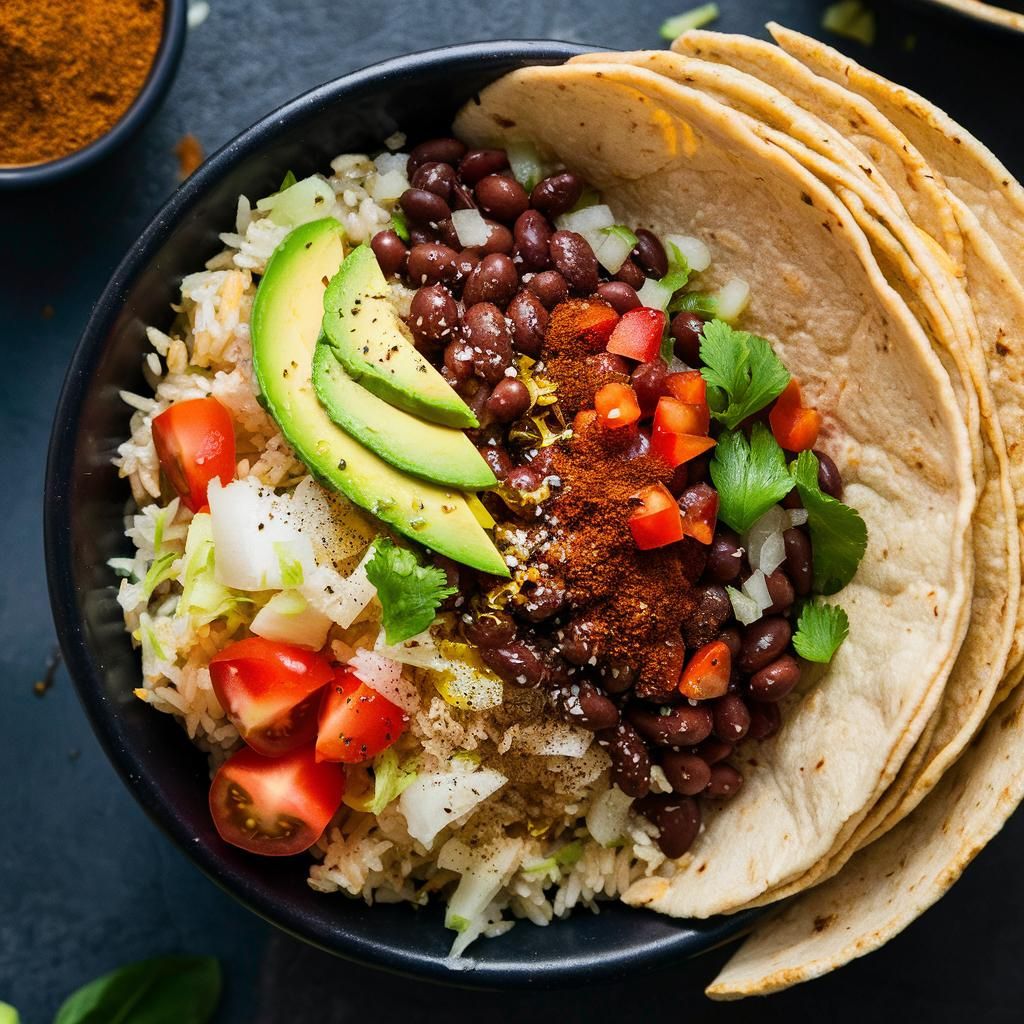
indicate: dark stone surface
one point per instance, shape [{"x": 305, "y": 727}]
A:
[{"x": 86, "y": 882}]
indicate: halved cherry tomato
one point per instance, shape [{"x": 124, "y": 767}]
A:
[
  {"x": 681, "y": 417},
  {"x": 675, "y": 449},
  {"x": 657, "y": 521},
  {"x": 795, "y": 428},
  {"x": 638, "y": 334},
  {"x": 270, "y": 692},
  {"x": 275, "y": 806},
  {"x": 688, "y": 386},
  {"x": 616, "y": 405},
  {"x": 707, "y": 674},
  {"x": 195, "y": 442},
  {"x": 699, "y": 505},
  {"x": 356, "y": 723},
  {"x": 594, "y": 323}
]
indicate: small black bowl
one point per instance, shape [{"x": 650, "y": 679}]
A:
[
  {"x": 85, "y": 503},
  {"x": 161, "y": 74}
]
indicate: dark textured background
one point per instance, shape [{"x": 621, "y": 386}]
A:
[{"x": 86, "y": 882}]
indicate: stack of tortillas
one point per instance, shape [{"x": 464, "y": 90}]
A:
[{"x": 884, "y": 248}]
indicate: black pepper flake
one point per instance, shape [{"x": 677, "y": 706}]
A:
[
  {"x": 309, "y": 245},
  {"x": 342, "y": 464},
  {"x": 325, "y": 280}
]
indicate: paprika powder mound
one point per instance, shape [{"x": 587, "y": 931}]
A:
[{"x": 69, "y": 70}]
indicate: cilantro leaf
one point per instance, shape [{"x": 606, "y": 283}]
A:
[
  {"x": 700, "y": 303},
  {"x": 399, "y": 224},
  {"x": 820, "y": 629},
  {"x": 409, "y": 593},
  {"x": 750, "y": 477},
  {"x": 742, "y": 372},
  {"x": 839, "y": 536}
]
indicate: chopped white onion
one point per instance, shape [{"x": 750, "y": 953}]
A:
[
  {"x": 696, "y": 253},
  {"x": 306, "y": 200},
  {"x": 385, "y": 676},
  {"x": 527, "y": 166},
  {"x": 430, "y": 802},
  {"x": 289, "y": 618},
  {"x": 612, "y": 248},
  {"x": 608, "y": 816},
  {"x": 731, "y": 299},
  {"x": 590, "y": 218},
  {"x": 796, "y": 516},
  {"x": 419, "y": 650},
  {"x": 388, "y": 187},
  {"x": 654, "y": 294},
  {"x": 756, "y": 588},
  {"x": 766, "y": 547},
  {"x": 471, "y": 228},
  {"x": 744, "y": 608},
  {"x": 388, "y": 162}
]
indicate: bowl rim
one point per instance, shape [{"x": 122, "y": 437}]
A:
[
  {"x": 158, "y": 81},
  {"x": 85, "y": 672}
]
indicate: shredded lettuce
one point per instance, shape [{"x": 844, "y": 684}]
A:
[
  {"x": 565, "y": 856},
  {"x": 202, "y": 596},
  {"x": 390, "y": 779},
  {"x": 291, "y": 567},
  {"x": 672, "y": 28}
]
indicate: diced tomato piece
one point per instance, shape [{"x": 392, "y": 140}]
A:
[
  {"x": 706, "y": 675},
  {"x": 275, "y": 806},
  {"x": 617, "y": 405},
  {"x": 699, "y": 505},
  {"x": 195, "y": 442},
  {"x": 356, "y": 722},
  {"x": 657, "y": 521},
  {"x": 688, "y": 386},
  {"x": 595, "y": 322},
  {"x": 270, "y": 692},
  {"x": 681, "y": 417},
  {"x": 675, "y": 449},
  {"x": 638, "y": 334},
  {"x": 795, "y": 427}
]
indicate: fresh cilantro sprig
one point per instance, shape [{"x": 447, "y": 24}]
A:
[
  {"x": 750, "y": 477},
  {"x": 742, "y": 372},
  {"x": 409, "y": 593},
  {"x": 820, "y": 629},
  {"x": 839, "y": 536}
]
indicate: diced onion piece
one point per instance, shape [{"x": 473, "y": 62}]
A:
[
  {"x": 306, "y": 200},
  {"x": 388, "y": 162},
  {"x": 732, "y": 298},
  {"x": 419, "y": 650},
  {"x": 589, "y": 219},
  {"x": 745, "y": 609},
  {"x": 765, "y": 545},
  {"x": 756, "y": 588},
  {"x": 388, "y": 187},
  {"x": 796, "y": 516},
  {"x": 694, "y": 251},
  {"x": 386, "y": 677},
  {"x": 608, "y": 816},
  {"x": 612, "y": 246},
  {"x": 289, "y": 619},
  {"x": 471, "y": 228},
  {"x": 654, "y": 294},
  {"x": 433, "y": 801},
  {"x": 527, "y": 166}
]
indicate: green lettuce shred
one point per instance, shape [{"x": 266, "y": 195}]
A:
[{"x": 671, "y": 28}]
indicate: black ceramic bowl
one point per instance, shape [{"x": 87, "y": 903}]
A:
[
  {"x": 161, "y": 74},
  {"x": 85, "y": 503}
]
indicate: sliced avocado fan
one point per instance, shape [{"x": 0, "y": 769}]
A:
[{"x": 286, "y": 320}]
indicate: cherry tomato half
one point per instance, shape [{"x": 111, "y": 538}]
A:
[
  {"x": 638, "y": 334},
  {"x": 275, "y": 806},
  {"x": 616, "y": 405},
  {"x": 356, "y": 723},
  {"x": 270, "y": 692},
  {"x": 657, "y": 521},
  {"x": 699, "y": 505},
  {"x": 707, "y": 673},
  {"x": 195, "y": 442},
  {"x": 795, "y": 427}
]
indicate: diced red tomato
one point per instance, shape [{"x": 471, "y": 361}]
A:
[
  {"x": 275, "y": 806},
  {"x": 270, "y": 692},
  {"x": 675, "y": 449},
  {"x": 657, "y": 521},
  {"x": 795, "y": 427},
  {"x": 356, "y": 722},
  {"x": 617, "y": 405},
  {"x": 678, "y": 417},
  {"x": 594, "y": 324},
  {"x": 195, "y": 442},
  {"x": 699, "y": 505},
  {"x": 707, "y": 673},
  {"x": 688, "y": 386},
  {"x": 583, "y": 419},
  {"x": 638, "y": 334}
]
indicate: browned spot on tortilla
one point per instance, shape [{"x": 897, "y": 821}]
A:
[
  {"x": 702, "y": 868},
  {"x": 1001, "y": 349},
  {"x": 827, "y": 226},
  {"x": 821, "y": 923},
  {"x": 504, "y": 122},
  {"x": 599, "y": 74},
  {"x": 806, "y": 198},
  {"x": 820, "y": 765}
]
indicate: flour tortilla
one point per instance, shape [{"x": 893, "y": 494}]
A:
[
  {"x": 991, "y": 13},
  {"x": 890, "y": 420}
]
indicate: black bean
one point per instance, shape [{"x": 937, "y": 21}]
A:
[
  {"x": 487, "y": 334},
  {"x": 550, "y": 287},
  {"x": 617, "y": 676},
  {"x": 435, "y": 177},
  {"x": 557, "y": 194},
  {"x": 477, "y": 394},
  {"x": 763, "y": 641},
  {"x": 422, "y": 235},
  {"x": 713, "y": 605},
  {"x": 490, "y": 629},
  {"x": 462, "y": 197},
  {"x": 732, "y": 719},
  {"x": 433, "y": 314},
  {"x": 765, "y": 720},
  {"x": 575, "y": 261},
  {"x": 631, "y": 763},
  {"x": 430, "y": 262},
  {"x": 501, "y": 197},
  {"x": 583, "y": 704},
  {"x": 493, "y": 279},
  {"x": 423, "y": 207},
  {"x": 529, "y": 323},
  {"x": 605, "y": 366},
  {"x": 725, "y": 782},
  {"x": 544, "y": 600},
  {"x": 478, "y": 163},
  {"x": 446, "y": 233},
  {"x": 391, "y": 252},
  {"x": 444, "y": 151},
  {"x": 498, "y": 459},
  {"x": 458, "y": 360},
  {"x": 577, "y": 642},
  {"x": 543, "y": 462},
  {"x": 648, "y": 381},
  {"x": 798, "y": 560},
  {"x": 687, "y": 774},
  {"x": 792, "y": 500},
  {"x": 698, "y": 470},
  {"x": 781, "y": 591},
  {"x": 650, "y": 253},
  {"x": 499, "y": 240},
  {"x": 516, "y": 663},
  {"x": 531, "y": 234},
  {"x": 686, "y": 332},
  {"x": 681, "y": 726},
  {"x": 677, "y": 818},
  {"x": 620, "y": 296},
  {"x": 466, "y": 260},
  {"x": 732, "y": 639},
  {"x": 713, "y": 750},
  {"x": 776, "y": 680},
  {"x": 629, "y": 273},
  {"x": 509, "y": 400},
  {"x": 523, "y": 478},
  {"x": 829, "y": 478}
]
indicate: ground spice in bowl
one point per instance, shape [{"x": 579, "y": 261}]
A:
[{"x": 70, "y": 70}]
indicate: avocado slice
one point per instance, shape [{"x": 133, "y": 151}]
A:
[
  {"x": 374, "y": 346},
  {"x": 441, "y": 454},
  {"x": 286, "y": 319}
]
